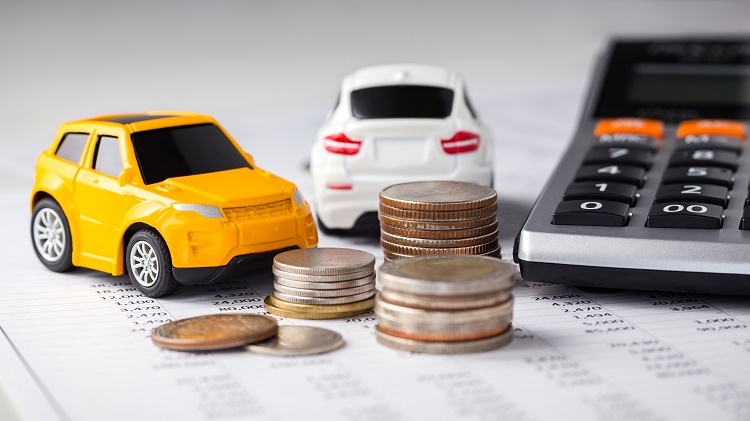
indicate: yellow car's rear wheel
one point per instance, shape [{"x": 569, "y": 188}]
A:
[
  {"x": 150, "y": 264},
  {"x": 50, "y": 234}
]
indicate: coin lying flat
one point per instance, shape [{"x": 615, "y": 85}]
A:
[
  {"x": 423, "y": 251},
  {"x": 438, "y": 195},
  {"x": 299, "y": 340},
  {"x": 458, "y": 215},
  {"x": 438, "y": 243},
  {"x": 406, "y": 314},
  {"x": 307, "y": 315},
  {"x": 214, "y": 331},
  {"x": 457, "y": 333},
  {"x": 395, "y": 256},
  {"x": 442, "y": 302},
  {"x": 324, "y": 301},
  {"x": 436, "y": 225},
  {"x": 324, "y": 261},
  {"x": 448, "y": 275},
  {"x": 326, "y": 285},
  {"x": 438, "y": 347},
  {"x": 440, "y": 234},
  {"x": 323, "y": 278},
  {"x": 366, "y": 304},
  {"x": 325, "y": 293}
]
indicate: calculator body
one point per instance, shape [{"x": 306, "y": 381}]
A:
[{"x": 652, "y": 191}]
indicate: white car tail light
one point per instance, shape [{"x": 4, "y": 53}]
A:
[
  {"x": 340, "y": 144},
  {"x": 461, "y": 142}
]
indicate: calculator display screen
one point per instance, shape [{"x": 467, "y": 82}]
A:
[{"x": 676, "y": 80}]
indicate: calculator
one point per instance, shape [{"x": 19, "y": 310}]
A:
[{"x": 652, "y": 192}]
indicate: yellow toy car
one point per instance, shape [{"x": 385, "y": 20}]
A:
[{"x": 168, "y": 197}]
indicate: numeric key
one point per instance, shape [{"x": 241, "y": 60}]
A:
[
  {"x": 707, "y": 157},
  {"x": 591, "y": 213},
  {"x": 699, "y": 175},
  {"x": 616, "y": 173},
  {"x": 700, "y": 193},
  {"x": 616, "y": 192},
  {"x": 685, "y": 215},
  {"x": 619, "y": 155}
]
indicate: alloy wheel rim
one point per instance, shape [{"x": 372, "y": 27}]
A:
[
  {"x": 143, "y": 263},
  {"x": 49, "y": 235}
]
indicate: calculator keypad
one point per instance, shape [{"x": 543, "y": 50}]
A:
[
  {"x": 700, "y": 175},
  {"x": 705, "y": 141},
  {"x": 685, "y": 215},
  {"x": 611, "y": 172},
  {"x": 705, "y": 157},
  {"x": 616, "y": 192},
  {"x": 591, "y": 213},
  {"x": 619, "y": 155},
  {"x": 699, "y": 193}
]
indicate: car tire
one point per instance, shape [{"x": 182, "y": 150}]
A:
[
  {"x": 50, "y": 236},
  {"x": 149, "y": 264}
]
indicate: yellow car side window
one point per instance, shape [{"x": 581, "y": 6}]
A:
[
  {"x": 107, "y": 157},
  {"x": 71, "y": 146}
]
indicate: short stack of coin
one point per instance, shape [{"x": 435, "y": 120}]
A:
[
  {"x": 438, "y": 217},
  {"x": 447, "y": 304},
  {"x": 322, "y": 283}
]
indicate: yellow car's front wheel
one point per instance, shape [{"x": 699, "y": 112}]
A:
[{"x": 150, "y": 264}]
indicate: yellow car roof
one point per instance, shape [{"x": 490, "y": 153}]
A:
[{"x": 149, "y": 121}]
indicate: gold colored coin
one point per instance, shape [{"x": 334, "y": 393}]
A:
[
  {"x": 443, "y": 337},
  {"x": 438, "y": 195},
  {"x": 404, "y": 223},
  {"x": 214, "y": 331},
  {"x": 291, "y": 314},
  {"x": 439, "y": 234},
  {"x": 431, "y": 216},
  {"x": 444, "y": 243},
  {"x": 367, "y": 304}
]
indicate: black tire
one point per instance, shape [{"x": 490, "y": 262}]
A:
[
  {"x": 57, "y": 254},
  {"x": 151, "y": 284}
]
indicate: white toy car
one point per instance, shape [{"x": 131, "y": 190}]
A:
[{"x": 394, "y": 124}]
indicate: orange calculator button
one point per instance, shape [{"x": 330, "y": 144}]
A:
[
  {"x": 640, "y": 126},
  {"x": 712, "y": 128}
]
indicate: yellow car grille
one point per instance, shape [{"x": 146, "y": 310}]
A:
[{"x": 266, "y": 210}]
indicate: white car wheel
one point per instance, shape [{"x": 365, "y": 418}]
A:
[
  {"x": 49, "y": 235},
  {"x": 143, "y": 264}
]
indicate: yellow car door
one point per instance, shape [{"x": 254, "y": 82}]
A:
[{"x": 101, "y": 200}]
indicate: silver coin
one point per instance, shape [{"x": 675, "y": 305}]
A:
[
  {"x": 323, "y": 278},
  {"x": 324, "y": 301},
  {"x": 439, "y": 234},
  {"x": 389, "y": 256},
  {"x": 406, "y": 314},
  {"x": 445, "y": 328},
  {"x": 443, "y": 302},
  {"x": 438, "y": 243},
  {"x": 324, "y": 261},
  {"x": 480, "y": 345},
  {"x": 439, "y": 216},
  {"x": 299, "y": 340},
  {"x": 326, "y": 285},
  {"x": 448, "y": 275},
  {"x": 325, "y": 293},
  {"x": 438, "y": 195}
]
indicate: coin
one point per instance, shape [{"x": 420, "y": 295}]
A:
[
  {"x": 323, "y": 278},
  {"x": 324, "y": 261},
  {"x": 366, "y": 304},
  {"x": 431, "y": 216},
  {"x": 441, "y": 302},
  {"x": 438, "y": 195},
  {"x": 214, "y": 331},
  {"x": 441, "y": 243},
  {"x": 326, "y": 293},
  {"x": 291, "y": 314},
  {"x": 458, "y": 334},
  {"x": 324, "y": 301},
  {"x": 299, "y": 340},
  {"x": 422, "y": 251},
  {"x": 439, "y": 234},
  {"x": 326, "y": 285},
  {"x": 436, "y": 225},
  {"x": 429, "y": 347},
  {"x": 448, "y": 275},
  {"x": 407, "y": 314}
]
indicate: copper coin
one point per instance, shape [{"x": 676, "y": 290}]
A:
[
  {"x": 437, "y": 337},
  {"x": 436, "y": 225},
  {"x": 438, "y": 195},
  {"x": 214, "y": 331},
  {"x": 422, "y": 251},
  {"x": 430, "y": 347},
  {"x": 439, "y": 234},
  {"x": 418, "y": 215},
  {"x": 389, "y": 257},
  {"x": 441, "y": 243}
]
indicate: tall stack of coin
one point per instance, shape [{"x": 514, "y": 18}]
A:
[
  {"x": 322, "y": 283},
  {"x": 438, "y": 217},
  {"x": 447, "y": 304}
]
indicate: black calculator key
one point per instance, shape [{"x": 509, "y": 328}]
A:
[
  {"x": 619, "y": 155},
  {"x": 602, "y": 190},
  {"x": 745, "y": 221},
  {"x": 699, "y": 175},
  {"x": 592, "y": 213},
  {"x": 708, "y": 157},
  {"x": 704, "y": 141},
  {"x": 700, "y": 193},
  {"x": 626, "y": 140},
  {"x": 685, "y": 215},
  {"x": 613, "y": 172}
]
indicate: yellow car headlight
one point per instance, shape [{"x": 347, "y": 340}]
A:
[{"x": 207, "y": 211}]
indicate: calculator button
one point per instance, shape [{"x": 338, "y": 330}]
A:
[
  {"x": 699, "y": 175},
  {"x": 616, "y": 173},
  {"x": 700, "y": 193},
  {"x": 626, "y": 140},
  {"x": 642, "y": 126},
  {"x": 745, "y": 221},
  {"x": 626, "y": 156},
  {"x": 591, "y": 213},
  {"x": 708, "y": 157},
  {"x": 712, "y": 127},
  {"x": 705, "y": 141},
  {"x": 685, "y": 215},
  {"x": 616, "y": 192}
]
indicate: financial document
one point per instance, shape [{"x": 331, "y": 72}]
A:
[{"x": 76, "y": 346}]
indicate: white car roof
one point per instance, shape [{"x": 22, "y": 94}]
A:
[{"x": 401, "y": 74}]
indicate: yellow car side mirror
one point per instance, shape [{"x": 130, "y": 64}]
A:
[
  {"x": 249, "y": 158},
  {"x": 127, "y": 175}
]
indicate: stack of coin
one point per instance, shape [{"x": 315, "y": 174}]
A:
[
  {"x": 438, "y": 217},
  {"x": 322, "y": 283},
  {"x": 447, "y": 304}
]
